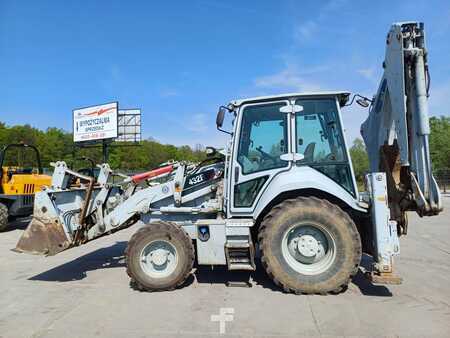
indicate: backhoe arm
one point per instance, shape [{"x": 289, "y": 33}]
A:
[{"x": 397, "y": 130}]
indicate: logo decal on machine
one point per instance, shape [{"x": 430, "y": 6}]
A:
[{"x": 199, "y": 178}]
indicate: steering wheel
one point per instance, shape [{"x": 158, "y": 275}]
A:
[
  {"x": 265, "y": 156},
  {"x": 330, "y": 157}
]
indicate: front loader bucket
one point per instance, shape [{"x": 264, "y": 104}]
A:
[{"x": 43, "y": 237}]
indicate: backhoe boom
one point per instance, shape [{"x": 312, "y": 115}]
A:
[{"x": 397, "y": 130}]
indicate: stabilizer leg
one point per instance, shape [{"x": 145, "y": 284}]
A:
[{"x": 385, "y": 240}]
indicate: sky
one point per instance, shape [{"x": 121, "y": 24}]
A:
[{"x": 180, "y": 60}]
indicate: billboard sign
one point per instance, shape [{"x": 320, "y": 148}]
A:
[
  {"x": 129, "y": 125},
  {"x": 95, "y": 122}
]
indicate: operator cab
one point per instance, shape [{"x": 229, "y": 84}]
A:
[{"x": 274, "y": 133}]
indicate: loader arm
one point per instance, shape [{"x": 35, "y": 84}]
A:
[
  {"x": 67, "y": 215},
  {"x": 396, "y": 132}
]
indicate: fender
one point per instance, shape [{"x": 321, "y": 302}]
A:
[{"x": 310, "y": 179}]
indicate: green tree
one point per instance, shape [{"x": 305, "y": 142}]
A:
[
  {"x": 360, "y": 159},
  {"x": 440, "y": 142},
  {"x": 56, "y": 144}
]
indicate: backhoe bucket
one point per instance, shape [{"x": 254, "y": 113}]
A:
[{"x": 43, "y": 237}]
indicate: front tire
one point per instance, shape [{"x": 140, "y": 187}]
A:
[
  {"x": 159, "y": 256},
  {"x": 3, "y": 217},
  {"x": 309, "y": 245}
]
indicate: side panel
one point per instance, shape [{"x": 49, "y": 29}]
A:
[{"x": 212, "y": 250}]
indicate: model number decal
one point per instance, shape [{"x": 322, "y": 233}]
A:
[{"x": 196, "y": 179}]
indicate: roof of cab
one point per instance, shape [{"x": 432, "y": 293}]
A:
[{"x": 342, "y": 97}]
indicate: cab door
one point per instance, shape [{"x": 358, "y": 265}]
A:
[{"x": 263, "y": 134}]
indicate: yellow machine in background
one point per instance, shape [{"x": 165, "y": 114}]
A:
[{"x": 18, "y": 184}]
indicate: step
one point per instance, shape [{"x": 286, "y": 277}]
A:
[
  {"x": 235, "y": 260},
  {"x": 237, "y": 244},
  {"x": 241, "y": 266},
  {"x": 239, "y": 254}
]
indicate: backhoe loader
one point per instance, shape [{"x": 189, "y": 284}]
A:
[
  {"x": 284, "y": 185},
  {"x": 19, "y": 183}
]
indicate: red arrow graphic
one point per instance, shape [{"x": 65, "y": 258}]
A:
[{"x": 100, "y": 111}]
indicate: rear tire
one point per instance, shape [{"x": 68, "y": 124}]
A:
[
  {"x": 159, "y": 256},
  {"x": 3, "y": 217},
  {"x": 309, "y": 245}
]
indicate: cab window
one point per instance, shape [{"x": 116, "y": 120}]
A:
[
  {"x": 319, "y": 138},
  {"x": 263, "y": 138}
]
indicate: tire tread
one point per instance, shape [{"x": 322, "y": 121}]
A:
[
  {"x": 158, "y": 226},
  {"x": 309, "y": 202},
  {"x": 3, "y": 217}
]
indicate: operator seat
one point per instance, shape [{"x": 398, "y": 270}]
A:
[
  {"x": 309, "y": 152},
  {"x": 247, "y": 165}
]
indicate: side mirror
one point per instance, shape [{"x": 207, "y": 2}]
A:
[
  {"x": 220, "y": 117},
  {"x": 363, "y": 102}
]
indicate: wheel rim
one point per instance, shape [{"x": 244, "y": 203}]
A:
[
  {"x": 309, "y": 249},
  {"x": 159, "y": 259}
]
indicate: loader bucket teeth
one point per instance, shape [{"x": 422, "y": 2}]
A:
[{"x": 43, "y": 238}]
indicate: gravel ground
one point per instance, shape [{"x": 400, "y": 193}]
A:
[{"x": 85, "y": 292}]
